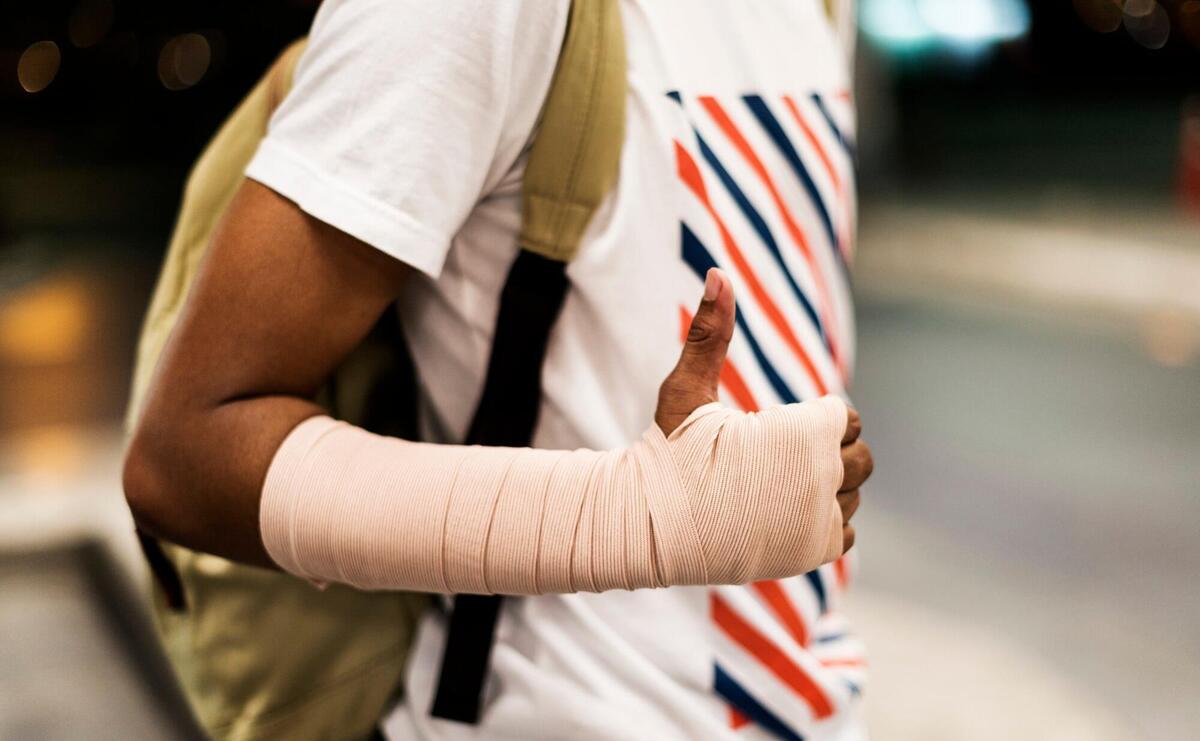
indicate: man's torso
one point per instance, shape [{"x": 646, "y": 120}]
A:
[{"x": 738, "y": 154}]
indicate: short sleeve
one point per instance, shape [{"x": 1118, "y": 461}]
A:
[{"x": 403, "y": 114}]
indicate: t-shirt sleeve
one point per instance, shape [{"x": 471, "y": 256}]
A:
[{"x": 404, "y": 113}]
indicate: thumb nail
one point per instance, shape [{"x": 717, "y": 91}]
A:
[{"x": 712, "y": 285}]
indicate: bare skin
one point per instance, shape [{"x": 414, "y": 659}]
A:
[{"x": 280, "y": 301}]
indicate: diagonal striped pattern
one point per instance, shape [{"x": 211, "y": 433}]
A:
[{"x": 766, "y": 193}]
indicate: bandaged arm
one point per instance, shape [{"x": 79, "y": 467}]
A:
[{"x": 726, "y": 498}]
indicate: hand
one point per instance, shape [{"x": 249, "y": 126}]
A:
[
  {"x": 857, "y": 465},
  {"x": 693, "y": 383}
]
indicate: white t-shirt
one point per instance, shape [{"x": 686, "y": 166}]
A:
[{"x": 407, "y": 128}]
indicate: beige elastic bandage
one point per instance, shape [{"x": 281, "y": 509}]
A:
[{"x": 727, "y": 498}]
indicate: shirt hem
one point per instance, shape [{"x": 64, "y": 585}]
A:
[{"x": 325, "y": 198}]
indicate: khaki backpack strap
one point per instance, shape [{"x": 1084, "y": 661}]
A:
[
  {"x": 577, "y": 149},
  {"x": 279, "y": 77},
  {"x": 209, "y": 189}
]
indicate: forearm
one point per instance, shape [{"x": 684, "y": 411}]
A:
[{"x": 726, "y": 498}]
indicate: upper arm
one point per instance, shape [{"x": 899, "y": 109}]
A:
[
  {"x": 403, "y": 114},
  {"x": 280, "y": 300}
]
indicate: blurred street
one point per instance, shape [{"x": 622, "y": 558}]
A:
[
  {"x": 1027, "y": 550},
  {"x": 1037, "y": 476},
  {"x": 1027, "y": 283},
  {"x": 1037, "y": 481}
]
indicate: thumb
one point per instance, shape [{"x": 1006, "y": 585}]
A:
[{"x": 694, "y": 380}]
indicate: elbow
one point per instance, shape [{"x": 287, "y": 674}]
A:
[{"x": 143, "y": 479}]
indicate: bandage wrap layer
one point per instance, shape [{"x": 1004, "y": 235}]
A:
[{"x": 727, "y": 498}]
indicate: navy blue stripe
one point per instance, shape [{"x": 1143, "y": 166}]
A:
[
  {"x": 854, "y": 688},
  {"x": 814, "y": 578},
  {"x": 774, "y": 130},
  {"x": 737, "y": 696},
  {"x": 697, "y": 256},
  {"x": 830, "y": 638},
  {"x": 841, "y": 138},
  {"x": 760, "y": 226}
]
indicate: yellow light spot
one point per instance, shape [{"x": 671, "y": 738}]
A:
[
  {"x": 44, "y": 324},
  {"x": 38, "y": 66},
  {"x": 1171, "y": 338},
  {"x": 48, "y": 451}
]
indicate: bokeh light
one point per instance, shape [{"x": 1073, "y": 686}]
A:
[
  {"x": 1171, "y": 337},
  {"x": 1189, "y": 21},
  {"x": 895, "y": 25},
  {"x": 1102, "y": 16},
  {"x": 974, "y": 22},
  {"x": 964, "y": 26},
  {"x": 183, "y": 61},
  {"x": 90, "y": 22},
  {"x": 1148, "y": 23},
  {"x": 46, "y": 324},
  {"x": 38, "y": 66}
]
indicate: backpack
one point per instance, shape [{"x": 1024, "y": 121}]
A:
[{"x": 342, "y": 662}]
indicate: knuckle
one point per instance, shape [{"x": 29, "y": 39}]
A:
[
  {"x": 853, "y": 424},
  {"x": 849, "y": 504},
  {"x": 699, "y": 333},
  {"x": 700, "y": 338},
  {"x": 703, "y": 333}
]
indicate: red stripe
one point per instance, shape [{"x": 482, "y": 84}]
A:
[
  {"x": 689, "y": 173},
  {"x": 824, "y": 298},
  {"x": 774, "y": 659},
  {"x": 843, "y": 237},
  {"x": 816, "y": 143},
  {"x": 842, "y": 572},
  {"x": 731, "y": 379},
  {"x": 843, "y": 662},
  {"x": 736, "y": 719},
  {"x": 772, "y": 592}
]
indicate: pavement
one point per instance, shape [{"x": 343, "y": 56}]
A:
[{"x": 1028, "y": 540}]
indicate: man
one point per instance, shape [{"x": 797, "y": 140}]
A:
[{"x": 392, "y": 173}]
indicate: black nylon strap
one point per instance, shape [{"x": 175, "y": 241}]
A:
[
  {"x": 164, "y": 572},
  {"x": 507, "y": 415},
  {"x": 529, "y": 305}
]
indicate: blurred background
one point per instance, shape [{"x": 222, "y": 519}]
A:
[{"x": 1028, "y": 279}]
